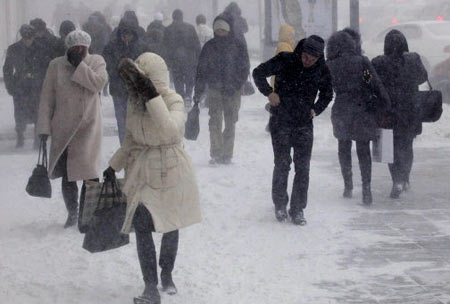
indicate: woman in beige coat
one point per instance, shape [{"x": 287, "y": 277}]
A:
[
  {"x": 162, "y": 193},
  {"x": 69, "y": 111}
]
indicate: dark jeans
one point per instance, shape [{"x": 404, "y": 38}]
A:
[
  {"x": 403, "y": 159},
  {"x": 345, "y": 160},
  {"x": 283, "y": 140},
  {"x": 143, "y": 225},
  {"x": 183, "y": 81},
  {"x": 120, "y": 109}
]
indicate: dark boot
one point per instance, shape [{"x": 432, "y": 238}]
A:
[
  {"x": 345, "y": 160},
  {"x": 367, "y": 195},
  {"x": 299, "y": 219},
  {"x": 149, "y": 296},
  {"x": 167, "y": 283},
  {"x": 281, "y": 214},
  {"x": 396, "y": 190},
  {"x": 70, "y": 195}
]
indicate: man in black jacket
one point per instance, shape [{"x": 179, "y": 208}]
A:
[
  {"x": 182, "y": 49},
  {"x": 299, "y": 76},
  {"x": 223, "y": 67},
  {"x": 23, "y": 74},
  {"x": 125, "y": 43}
]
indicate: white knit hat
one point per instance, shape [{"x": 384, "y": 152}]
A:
[
  {"x": 221, "y": 24},
  {"x": 78, "y": 38}
]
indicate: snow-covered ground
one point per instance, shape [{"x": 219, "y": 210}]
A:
[{"x": 239, "y": 253}]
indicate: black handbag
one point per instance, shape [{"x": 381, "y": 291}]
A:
[
  {"x": 39, "y": 183},
  {"x": 192, "y": 126},
  {"x": 104, "y": 229},
  {"x": 429, "y": 105},
  {"x": 247, "y": 89}
]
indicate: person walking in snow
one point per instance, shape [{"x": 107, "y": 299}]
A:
[
  {"x": 124, "y": 43},
  {"x": 65, "y": 28},
  {"x": 182, "y": 49},
  {"x": 204, "y": 32},
  {"x": 401, "y": 73},
  {"x": 69, "y": 112},
  {"x": 223, "y": 68},
  {"x": 161, "y": 189},
  {"x": 353, "y": 115},
  {"x": 300, "y": 76}
]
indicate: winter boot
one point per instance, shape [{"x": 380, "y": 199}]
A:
[
  {"x": 167, "y": 283},
  {"x": 70, "y": 195},
  {"x": 20, "y": 141},
  {"x": 396, "y": 190},
  {"x": 281, "y": 214},
  {"x": 367, "y": 195},
  {"x": 299, "y": 219},
  {"x": 72, "y": 219},
  {"x": 348, "y": 193},
  {"x": 149, "y": 296}
]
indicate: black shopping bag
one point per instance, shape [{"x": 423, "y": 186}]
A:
[
  {"x": 39, "y": 183},
  {"x": 103, "y": 231},
  {"x": 192, "y": 126},
  {"x": 429, "y": 105}
]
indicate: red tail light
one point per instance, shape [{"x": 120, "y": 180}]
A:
[
  {"x": 394, "y": 20},
  {"x": 440, "y": 18}
]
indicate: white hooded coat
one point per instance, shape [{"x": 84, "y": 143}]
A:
[{"x": 159, "y": 172}]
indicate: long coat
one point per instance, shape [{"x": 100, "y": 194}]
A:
[
  {"x": 401, "y": 73},
  {"x": 352, "y": 117},
  {"x": 159, "y": 172},
  {"x": 69, "y": 111}
]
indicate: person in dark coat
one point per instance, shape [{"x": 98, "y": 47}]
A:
[
  {"x": 22, "y": 74},
  {"x": 126, "y": 43},
  {"x": 66, "y": 27},
  {"x": 240, "y": 25},
  {"x": 223, "y": 68},
  {"x": 352, "y": 115},
  {"x": 356, "y": 38},
  {"x": 46, "y": 40},
  {"x": 99, "y": 30},
  {"x": 182, "y": 49},
  {"x": 299, "y": 77},
  {"x": 157, "y": 24},
  {"x": 401, "y": 73}
]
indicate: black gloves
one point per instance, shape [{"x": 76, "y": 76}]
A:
[
  {"x": 43, "y": 138},
  {"x": 75, "y": 55},
  {"x": 109, "y": 174},
  {"x": 135, "y": 80}
]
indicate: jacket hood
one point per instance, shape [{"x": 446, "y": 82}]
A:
[
  {"x": 65, "y": 28},
  {"x": 339, "y": 44},
  {"x": 129, "y": 22},
  {"x": 356, "y": 37},
  {"x": 233, "y": 8},
  {"x": 155, "y": 68},
  {"x": 287, "y": 34},
  {"x": 395, "y": 44}
]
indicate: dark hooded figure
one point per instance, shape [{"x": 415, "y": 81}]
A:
[
  {"x": 240, "y": 26},
  {"x": 356, "y": 38},
  {"x": 47, "y": 40},
  {"x": 125, "y": 43},
  {"x": 23, "y": 77},
  {"x": 157, "y": 24},
  {"x": 99, "y": 30},
  {"x": 352, "y": 115},
  {"x": 299, "y": 77},
  {"x": 223, "y": 68},
  {"x": 65, "y": 28},
  {"x": 401, "y": 73},
  {"x": 182, "y": 49}
]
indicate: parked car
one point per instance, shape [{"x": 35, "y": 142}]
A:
[{"x": 431, "y": 39}]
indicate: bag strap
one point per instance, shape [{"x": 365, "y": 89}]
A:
[
  {"x": 42, "y": 158},
  {"x": 429, "y": 84}
]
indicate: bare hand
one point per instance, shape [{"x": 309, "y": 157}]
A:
[{"x": 274, "y": 99}]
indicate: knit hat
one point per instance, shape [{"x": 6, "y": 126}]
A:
[
  {"x": 221, "y": 24},
  {"x": 78, "y": 38},
  {"x": 27, "y": 31},
  {"x": 38, "y": 24},
  {"x": 314, "y": 45}
]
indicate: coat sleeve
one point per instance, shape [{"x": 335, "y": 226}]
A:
[
  {"x": 202, "y": 71},
  {"x": 169, "y": 120},
  {"x": 94, "y": 77},
  {"x": 378, "y": 86},
  {"x": 119, "y": 160},
  {"x": 325, "y": 90},
  {"x": 420, "y": 72},
  {"x": 47, "y": 101},
  {"x": 8, "y": 72},
  {"x": 264, "y": 70}
]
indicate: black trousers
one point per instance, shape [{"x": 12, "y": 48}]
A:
[
  {"x": 345, "y": 160},
  {"x": 284, "y": 139},
  {"x": 69, "y": 189},
  {"x": 184, "y": 81},
  {"x": 143, "y": 225},
  {"x": 403, "y": 159},
  {"x": 25, "y": 111}
]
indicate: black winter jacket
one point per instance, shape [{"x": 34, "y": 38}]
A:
[
  {"x": 352, "y": 116},
  {"x": 401, "y": 73},
  {"x": 297, "y": 87},
  {"x": 223, "y": 65},
  {"x": 116, "y": 49}
]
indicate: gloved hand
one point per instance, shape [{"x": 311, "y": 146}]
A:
[
  {"x": 43, "y": 138},
  {"x": 76, "y": 55},
  {"x": 140, "y": 83},
  {"x": 109, "y": 174}
]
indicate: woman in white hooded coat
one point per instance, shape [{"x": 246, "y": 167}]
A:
[{"x": 161, "y": 189}]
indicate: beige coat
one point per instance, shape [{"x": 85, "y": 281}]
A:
[
  {"x": 159, "y": 171},
  {"x": 69, "y": 111}
]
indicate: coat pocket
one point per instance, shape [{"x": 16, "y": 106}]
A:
[{"x": 162, "y": 169}]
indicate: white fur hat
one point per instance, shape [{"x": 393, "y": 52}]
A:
[
  {"x": 78, "y": 38},
  {"x": 155, "y": 68}
]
